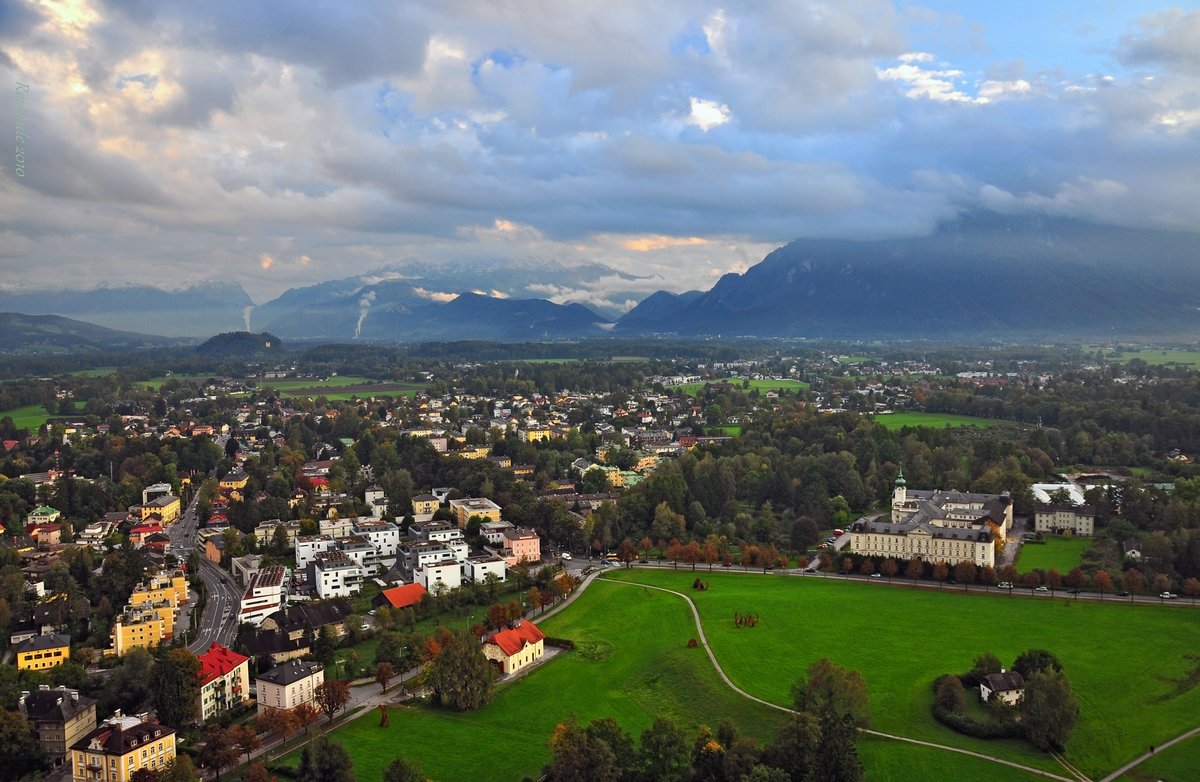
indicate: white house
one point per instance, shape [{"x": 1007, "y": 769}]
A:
[
  {"x": 288, "y": 685},
  {"x": 439, "y": 576},
  {"x": 1008, "y": 687},
  {"x": 266, "y": 593},
  {"x": 309, "y": 546},
  {"x": 477, "y": 569}
]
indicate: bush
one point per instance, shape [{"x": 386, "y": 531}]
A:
[
  {"x": 561, "y": 643},
  {"x": 980, "y": 729}
]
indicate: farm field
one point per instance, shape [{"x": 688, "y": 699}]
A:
[
  {"x": 901, "y": 639},
  {"x": 939, "y": 420},
  {"x": 1176, "y": 764},
  {"x": 155, "y": 383},
  {"x": 693, "y": 389},
  {"x": 338, "y": 381},
  {"x": 1059, "y": 552},
  {"x": 632, "y": 663},
  {"x": 29, "y": 416},
  {"x": 1187, "y": 358}
]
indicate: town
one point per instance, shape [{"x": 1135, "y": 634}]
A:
[{"x": 197, "y": 566}]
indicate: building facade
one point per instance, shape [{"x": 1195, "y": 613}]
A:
[
  {"x": 120, "y": 747},
  {"x": 513, "y": 648},
  {"x": 60, "y": 717},
  {"x": 1054, "y": 519},
  {"x": 287, "y": 686},
  {"x": 43, "y": 652},
  {"x": 224, "y": 680}
]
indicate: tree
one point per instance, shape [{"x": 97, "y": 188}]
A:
[
  {"x": 950, "y": 694},
  {"x": 1162, "y": 583},
  {"x": 1133, "y": 581},
  {"x": 1076, "y": 578},
  {"x": 1031, "y": 661},
  {"x": 663, "y": 752},
  {"x": 180, "y": 769},
  {"x": 984, "y": 664},
  {"x": 626, "y": 552},
  {"x": 914, "y": 569},
  {"x": 837, "y": 699},
  {"x": 305, "y": 714},
  {"x": 796, "y": 746},
  {"x": 331, "y": 696},
  {"x": 577, "y": 756},
  {"x": 940, "y": 571},
  {"x": 401, "y": 770},
  {"x": 219, "y": 748},
  {"x": 1191, "y": 588},
  {"x": 965, "y": 572},
  {"x": 384, "y": 672},
  {"x": 245, "y": 738},
  {"x": 460, "y": 676},
  {"x": 20, "y": 753},
  {"x": 276, "y": 722},
  {"x": 1103, "y": 582},
  {"x": 1049, "y": 711},
  {"x": 256, "y": 772},
  {"x": 889, "y": 568},
  {"x": 175, "y": 687},
  {"x": 325, "y": 761}
]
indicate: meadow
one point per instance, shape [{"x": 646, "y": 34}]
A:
[
  {"x": 694, "y": 389},
  {"x": 901, "y": 639},
  {"x": 1175, "y": 764},
  {"x": 1157, "y": 357},
  {"x": 29, "y": 416},
  {"x": 1059, "y": 552},
  {"x": 938, "y": 420},
  {"x": 632, "y": 663}
]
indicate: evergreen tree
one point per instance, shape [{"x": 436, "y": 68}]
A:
[
  {"x": 176, "y": 687},
  {"x": 325, "y": 761},
  {"x": 460, "y": 676}
]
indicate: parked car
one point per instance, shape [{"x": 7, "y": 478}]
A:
[
  {"x": 1072, "y": 591},
  {"x": 876, "y": 575},
  {"x": 1122, "y": 594},
  {"x": 1041, "y": 589},
  {"x": 565, "y": 556},
  {"x": 1004, "y": 585},
  {"x": 1168, "y": 596}
]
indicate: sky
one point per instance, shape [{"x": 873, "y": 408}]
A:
[{"x": 281, "y": 144}]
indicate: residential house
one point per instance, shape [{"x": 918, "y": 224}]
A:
[
  {"x": 334, "y": 574},
  {"x": 245, "y": 568},
  {"x": 224, "y": 680},
  {"x": 43, "y": 514},
  {"x": 141, "y": 627},
  {"x": 477, "y": 569},
  {"x": 266, "y": 593},
  {"x": 264, "y": 533},
  {"x": 439, "y": 577},
  {"x": 1064, "y": 519},
  {"x": 121, "y": 747},
  {"x": 513, "y": 648},
  {"x": 402, "y": 596},
  {"x": 60, "y": 717},
  {"x": 521, "y": 545},
  {"x": 288, "y": 685},
  {"x": 43, "y": 652},
  {"x": 467, "y": 507},
  {"x": 493, "y": 531},
  {"x": 424, "y": 506},
  {"x": 1008, "y": 687}
]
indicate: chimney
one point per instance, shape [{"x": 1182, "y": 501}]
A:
[{"x": 75, "y": 695}]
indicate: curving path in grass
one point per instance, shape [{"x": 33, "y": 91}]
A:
[
  {"x": 721, "y": 672},
  {"x": 1147, "y": 755}
]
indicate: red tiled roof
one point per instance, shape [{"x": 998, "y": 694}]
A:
[
  {"x": 218, "y": 661},
  {"x": 514, "y": 639},
  {"x": 404, "y": 596}
]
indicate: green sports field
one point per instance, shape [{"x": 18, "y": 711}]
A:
[
  {"x": 938, "y": 420},
  {"x": 1059, "y": 553},
  {"x": 901, "y": 639}
]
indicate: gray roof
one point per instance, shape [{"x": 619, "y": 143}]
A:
[
  {"x": 54, "y": 705},
  {"x": 290, "y": 672},
  {"x": 888, "y": 527},
  {"x": 39, "y": 642},
  {"x": 1004, "y": 682}
]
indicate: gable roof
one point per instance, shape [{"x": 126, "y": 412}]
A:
[
  {"x": 403, "y": 596},
  {"x": 217, "y": 662},
  {"x": 1004, "y": 682},
  {"x": 513, "y": 639},
  {"x": 57, "y": 705}
]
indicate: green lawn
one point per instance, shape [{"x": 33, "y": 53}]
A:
[
  {"x": 97, "y": 372},
  {"x": 694, "y": 389},
  {"x": 938, "y": 420},
  {"x": 886, "y": 760},
  {"x": 1060, "y": 553},
  {"x": 338, "y": 381},
  {"x": 347, "y": 396},
  {"x": 902, "y": 639},
  {"x": 30, "y": 416},
  {"x": 155, "y": 383},
  {"x": 1177, "y": 764},
  {"x": 632, "y": 664},
  {"x": 730, "y": 430},
  {"x": 1187, "y": 358}
]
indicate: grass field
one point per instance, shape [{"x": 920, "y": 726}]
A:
[
  {"x": 693, "y": 389},
  {"x": 1180, "y": 763},
  {"x": 1186, "y": 358},
  {"x": 30, "y": 416},
  {"x": 97, "y": 372},
  {"x": 731, "y": 430},
  {"x": 901, "y": 639},
  {"x": 939, "y": 420},
  {"x": 1060, "y": 553},
  {"x": 346, "y": 396},
  {"x": 632, "y": 664},
  {"x": 339, "y": 381},
  {"x": 155, "y": 383}
]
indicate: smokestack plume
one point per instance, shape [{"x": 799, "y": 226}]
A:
[
  {"x": 364, "y": 305},
  {"x": 246, "y": 315}
]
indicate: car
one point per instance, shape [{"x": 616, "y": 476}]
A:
[
  {"x": 1072, "y": 591},
  {"x": 1168, "y": 596},
  {"x": 565, "y": 556},
  {"x": 876, "y": 575},
  {"x": 1041, "y": 589},
  {"x": 1004, "y": 585},
  {"x": 1122, "y": 594},
  {"x": 371, "y": 612}
]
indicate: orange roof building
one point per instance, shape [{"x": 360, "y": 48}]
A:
[
  {"x": 401, "y": 596},
  {"x": 513, "y": 648}
]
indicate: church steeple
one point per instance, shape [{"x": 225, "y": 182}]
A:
[{"x": 900, "y": 495}]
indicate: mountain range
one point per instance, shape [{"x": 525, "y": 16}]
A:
[
  {"x": 981, "y": 275},
  {"x": 50, "y": 334}
]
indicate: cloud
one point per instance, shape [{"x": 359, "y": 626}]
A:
[
  {"x": 708, "y": 114},
  {"x": 439, "y": 296},
  {"x": 644, "y": 244}
]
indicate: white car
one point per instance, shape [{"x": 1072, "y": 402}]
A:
[
  {"x": 565, "y": 556},
  {"x": 1168, "y": 596}
]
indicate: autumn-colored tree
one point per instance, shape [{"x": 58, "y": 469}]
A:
[
  {"x": 997, "y": 536},
  {"x": 1191, "y": 588},
  {"x": 965, "y": 572},
  {"x": 245, "y": 738},
  {"x": 940, "y": 571},
  {"x": 1162, "y": 583},
  {"x": 497, "y": 616},
  {"x": 305, "y": 714},
  {"x": 1103, "y": 582},
  {"x": 1076, "y": 578},
  {"x": 986, "y": 575},
  {"x": 646, "y": 545},
  {"x": 674, "y": 552},
  {"x": 331, "y": 696},
  {"x": 535, "y": 598},
  {"x": 218, "y": 748},
  {"x": 384, "y": 673},
  {"x": 847, "y": 565},
  {"x": 1007, "y": 573},
  {"x": 889, "y": 568},
  {"x": 256, "y": 772},
  {"x": 867, "y": 567},
  {"x": 691, "y": 554},
  {"x": 915, "y": 569},
  {"x": 1031, "y": 579},
  {"x": 1133, "y": 581},
  {"x": 626, "y": 551},
  {"x": 1053, "y": 579},
  {"x": 277, "y": 722}
]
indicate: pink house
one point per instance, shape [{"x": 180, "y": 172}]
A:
[{"x": 521, "y": 545}]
